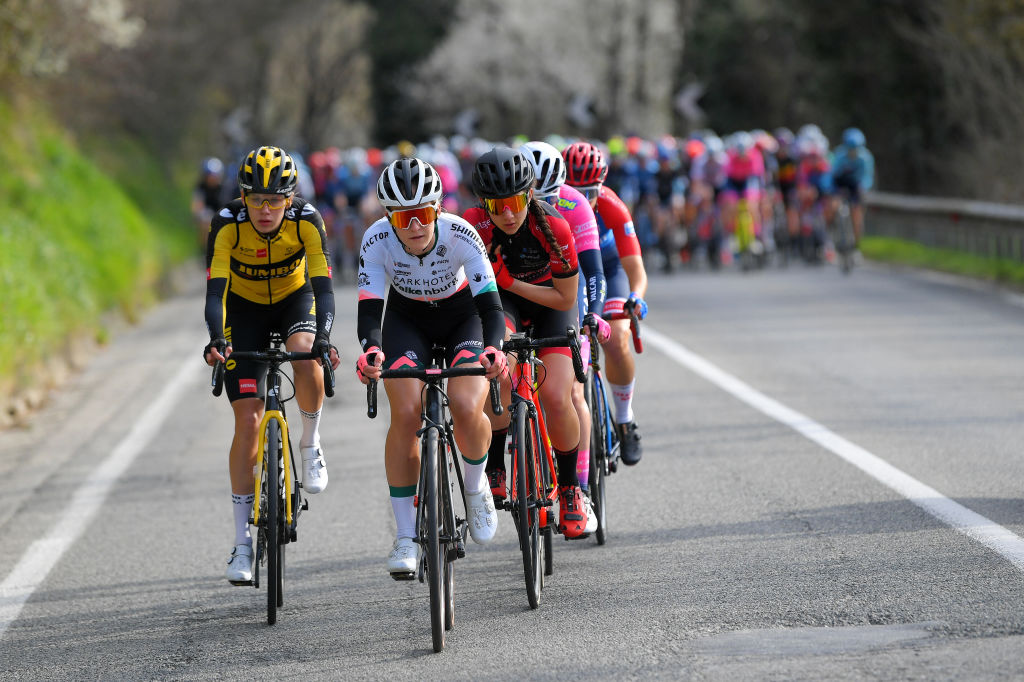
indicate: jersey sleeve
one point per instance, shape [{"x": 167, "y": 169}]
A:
[
  {"x": 616, "y": 216},
  {"x": 373, "y": 284},
  {"x": 318, "y": 264},
  {"x": 481, "y": 222},
  {"x": 218, "y": 268},
  {"x": 472, "y": 255}
]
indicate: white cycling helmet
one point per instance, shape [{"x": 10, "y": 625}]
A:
[
  {"x": 548, "y": 165},
  {"x": 408, "y": 182}
]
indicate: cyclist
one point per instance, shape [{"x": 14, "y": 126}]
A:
[
  {"x": 785, "y": 179},
  {"x": 627, "y": 282},
  {"x": 207, "y": 195},
  {"x": 744, "y": 178},
  {"x": 853, "y": 172},
  {"x": 441, "y": 291},
  {"x": 549, "y": 168},
  {"x": 535, "y": 266},
  {"x": 257, "y": 256}
]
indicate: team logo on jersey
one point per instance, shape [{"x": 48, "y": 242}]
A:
[
  {"x": 308, "y": 209},
  {"x": 261, "y": 253},
  {"x": 364, "y": 280},
  {"x": 441, "y": 250},
  {"x": 628, "y": 229},
  {"x": 247, "y": 386},
  {"x": 567, "y": 204}
]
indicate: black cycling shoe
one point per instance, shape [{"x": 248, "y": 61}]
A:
[{"x": 630, "y": 449}]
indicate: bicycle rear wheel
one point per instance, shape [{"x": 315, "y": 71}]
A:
[
  {"x": 526, "y": 505},
  {"x": 431, "y": 533},
  {"x": 272, "y": 462}
]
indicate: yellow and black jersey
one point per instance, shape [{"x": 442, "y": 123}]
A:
[{"x": 266, "y": 269}]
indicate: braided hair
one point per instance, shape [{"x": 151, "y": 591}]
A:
[{"x": 542, "y": 222}]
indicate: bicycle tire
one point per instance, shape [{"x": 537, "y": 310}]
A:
[
  {"x": 526, "y": 510},
  {"x": 431, "y": 519},
  {"x": 598, "y": 460},
  {"x": 271, "y": 459},
  {"x": 448, "y": 550}
]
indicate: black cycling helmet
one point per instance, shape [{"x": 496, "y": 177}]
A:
[
  {"x": 268, "y": 170},
  {"x": 502, "y": 172}
]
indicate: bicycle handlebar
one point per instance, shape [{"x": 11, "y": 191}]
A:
[
  {"x": 430, "y": 375},
  {"x": 520, "y": 342},
  {"x": 634, "y": 325},
  {"x": 279, "y": 356}
]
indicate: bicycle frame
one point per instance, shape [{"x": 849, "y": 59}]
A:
[
  {"x": 524, "y": 390},
  {"x": 274, "y": 410}
]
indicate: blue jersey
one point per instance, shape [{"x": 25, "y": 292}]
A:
[{"x": 854, "y": 165}]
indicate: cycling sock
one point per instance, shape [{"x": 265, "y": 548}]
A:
[
  {"x": 310, "y": 428},
  {"x": 583, "y": 468},
  {"x": 474, "y": 475},
  {"x": 623, "y": 398},
  {"x": 402, "y": 498},
  {"x": 496, "y": 453},
  {"x": 241, "y": 505},
  {"x": 566, "y": 463}
]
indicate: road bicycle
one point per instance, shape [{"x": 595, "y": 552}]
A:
[
  {"x": 440, "y": 530},
  {"x": 844, "y": 237},
  {"x": 748, "y": 245},
  {"x": 279, "y": 500},
  {"x": 604, "y": 437},
  {"x": 531, "y": 489}
]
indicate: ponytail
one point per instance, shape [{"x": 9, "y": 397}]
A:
[{"x": 542, "y": 222}]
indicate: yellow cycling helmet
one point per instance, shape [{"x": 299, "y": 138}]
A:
[{"x": 268, "y": 170}]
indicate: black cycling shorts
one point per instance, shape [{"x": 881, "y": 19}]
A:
[
  {"x": 411, "y": 328},
  {"x": 521, "y": 313},
  {"x": 247, "y": 326}
]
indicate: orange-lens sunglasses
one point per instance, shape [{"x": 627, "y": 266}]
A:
[
  {"x": 276, "y": 202},
  {"x": 514, "y": 203},
  {"x": 402, "y": 218}
]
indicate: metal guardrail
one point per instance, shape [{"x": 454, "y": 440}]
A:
[{"x": 978, "y": 227}]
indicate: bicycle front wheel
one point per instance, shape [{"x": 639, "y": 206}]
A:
[
  {"x": 598, "y": 456},
  {"x": 272, "y": 462},
  {"x": 526, "y": 505},
  {"x": 431, "y": 533}
]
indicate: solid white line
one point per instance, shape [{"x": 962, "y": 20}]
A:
[
  {"x": 42, "y": 555},
  {"x": 974, "y": 525}
]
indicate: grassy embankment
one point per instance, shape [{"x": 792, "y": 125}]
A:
[
  {"x": 82, "y": 236},
  {"x": 898, "y": 251}
]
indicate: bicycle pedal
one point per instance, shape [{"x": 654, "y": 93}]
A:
[
  {"x": 241, "y": 583},
  {"x": 305, "y": 505},
  {"x": 410, "y": 575}
]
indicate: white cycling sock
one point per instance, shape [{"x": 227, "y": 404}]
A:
[
  {"x": 473, "y": 474},
  {"x": 405, "y": 516},
  {"x": 310, "y": 428},
  {"x": 622, "y": 396},
  {"x": 241, "y": 505}
]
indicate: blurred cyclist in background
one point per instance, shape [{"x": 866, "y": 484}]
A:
[
  {"x": 853, "y": 172},
  {"x": 208, "y": 196}
]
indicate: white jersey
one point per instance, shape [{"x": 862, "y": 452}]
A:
[{"x": 458, "y": 259}]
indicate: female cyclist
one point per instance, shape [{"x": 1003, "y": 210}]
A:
[
  {"x": 535, "y": 266},
  {"x": 440, "y": 289},
  {"x": 624, "y": 270},
  {"x": 549, "y": 167},
  {"x": 260, "y": 249}
]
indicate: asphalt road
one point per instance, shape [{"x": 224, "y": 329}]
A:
[{"x": 743, "y": 546}]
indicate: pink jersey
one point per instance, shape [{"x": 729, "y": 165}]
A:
[
  {"x": 740, "y": 168},
  {"x": 575, "y": 208}
]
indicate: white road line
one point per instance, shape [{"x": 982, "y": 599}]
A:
[
  {"x": 43, "y": 554},
  {"x": 974, "y": 525}
]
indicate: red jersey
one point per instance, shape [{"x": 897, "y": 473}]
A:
[{"x": 527, "y": 254}]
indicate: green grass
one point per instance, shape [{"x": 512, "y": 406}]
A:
[
  {"x": 76, "y": 241},
  {"x": 890, "y": 250}
]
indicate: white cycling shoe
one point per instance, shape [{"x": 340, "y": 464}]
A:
[
  {"x": 240, "y": 565},
  {"x": 483, "y": 519},
  {"x": 314, "y": 469},
  {"x": 591, "y": 516},
  {"x": 403, "y": 559}
]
